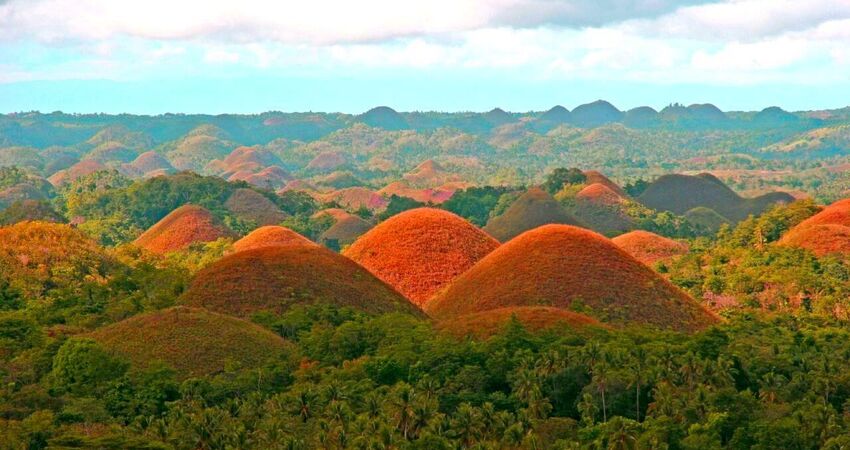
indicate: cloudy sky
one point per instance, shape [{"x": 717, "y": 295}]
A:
[{"x": 152, "y": 56}]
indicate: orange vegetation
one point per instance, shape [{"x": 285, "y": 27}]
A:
[
  {"x": 534, "y": 318},
  {"x": 355, "y": 198},
  {"x": 193, "y": 341},
  {"x": 565, "y": 266},
  {"x": 270, "y": 236},
  {"x": 33, "y": 252},
  {"x": 249, "y": 204},
  {"x": 594, "y": 177},
  {"x": 180, "y": 228},
  {"x": 531, "y": 210},
  {"x": 276, "y": 278},
  {"x": 649, "y": 247},
  {"x": 826, "y": 232},
  {"x": 421, "y": 250},
  {"x": 426, "y": 195},
  {"x": 599, "y": 194},
  {"x": 78, "y": 170},
  {"x": 430, "y": 174},
  {"x": 336, "y": 213}
]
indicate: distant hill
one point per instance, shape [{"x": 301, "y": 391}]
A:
[
  {"x": 532, "y": 209},
  {"x": 383, "y": 117},
  {"x": 182, "y": 227},
  {"x": 681, "y": 193},
  {"x": 596, "y": 114}
]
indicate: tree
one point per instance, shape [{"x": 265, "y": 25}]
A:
[
  {"x": 559, "y": 177},
  {"x": 81, "y": 366}
]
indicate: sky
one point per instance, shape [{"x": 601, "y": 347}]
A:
[{"x": 248, "y": 56}]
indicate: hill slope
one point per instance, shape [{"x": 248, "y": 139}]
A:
[
  {"x": 421, "y": 250},
  {"x": 275, "y": 278},
  {"x": 193, "y": 341},
  {"x": 180, "y": 228},
  {"x": 531, "y": 210},
  {"x": 563, "y": 266}
]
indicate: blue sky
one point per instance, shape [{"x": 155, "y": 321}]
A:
[{"x": 220, "y": 56}]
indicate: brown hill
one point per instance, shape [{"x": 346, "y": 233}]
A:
[
  {"x": 594, "y": 176},
  {"x": 706, "y": 218},
  {"x": 270, "y": 236},
  {"x": 599, "y": 194},
  {"x": 180, "y": 228},
  {"x": 249, "y": 204},
  {"x": 531, "y": 210},
  {"x": 679, "y": 193},
  {"x": 420, "y": 251},
  {"x": 326, "y": 161},
  {"x": 29, "y": 210},
  {"x": 820, "y": 239},
  {"x": 271, "y": 178},
  {"x": 149, "y": 162},
  {"x": 602, "y": 210},
  {"x": 825, "y": 232},
  {"x": 193, "y": 341},
  {"x": 429, "y": 174},
  {"x": 344, "y": 231},
  {"x": 565, "y": 266},
  {"x": 649, "y": 248},
  {"x": 485, "y": 324},
  {"x": 78, "y": 170},
  {"x": 355, "y": 198},
  {"x": 276, "y": 278}
]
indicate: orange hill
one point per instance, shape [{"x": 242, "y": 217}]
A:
[
  {"x": 594, "y": 176},
  {"x": 599, "y": 194},
  {"x": 564, "y": 266},
  {"x": 270, "y": 236},
  {"x": 485, "y": 324},
  {"x": 602, "y": 210},
  {"x": 249, "y": 204},
  {"x": 421, "y": 250},
  {"x": 78, "y": 170},
  {"x": 193, "y": 341},
  {"x": 826, "y": 232},
  {"x": 276, "y": 278},
  {"x": 180, "y": 228},
  {"x": 531, "y": 210},
  {"x": 649, "y": 248}
]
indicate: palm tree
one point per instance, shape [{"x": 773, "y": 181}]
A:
[
  {"x": 769, "y": 387},
  {"x": 638, "y": 362},
  {"x": 467, "y": 424},
  {"x": 404, "y": 410}
]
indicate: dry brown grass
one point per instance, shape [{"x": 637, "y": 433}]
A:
[
  {"x": 531, "y": 210},
  {"x": 568, "y": 267},
  {"x": 180, "y": 228},
  {"x": 421, "y": 250},
  {"x": 276, "y": 278},
  {"x": 270, "y": 236},
  {"x": 650, "y": 248}
]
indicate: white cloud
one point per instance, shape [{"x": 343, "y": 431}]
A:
[{"x": 218, "y": 55}]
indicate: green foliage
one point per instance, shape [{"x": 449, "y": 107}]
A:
[
  {"x": 475, "y": 203},
  {"x": 82, "y": 367},
  {"x": 559, "y": 177},
  {"x": 398, "y": 205}
]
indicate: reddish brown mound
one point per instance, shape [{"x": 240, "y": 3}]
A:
[
  {"x": 180, "y": 228},
  {"x": 150, "y": 161},
  {"x": 485, "y": 324},
  {"x": 837, "y": 213},
  {"x": 531, "y": 210},
  {"x": 326, "y": 161},
  {"x": 564, "y": 266},
  {"x": 649, "y": 247},
  {"x": 78, "y": 170},
  {"x": 336, "y": 213},
  {"x": 276, "y": 278},
  {"x": 355, "y": 198},
  {"x": 249, "y": 204},
  {"x": 345, "y": 231},
  {"x": 421, "y": 250},
  {"x": 270, "y": 178},
  {"x": 430, "y": 174},
  {"x": 29, "y": 210},
  {"x": 193, "y": 341},
  {"x": 594, "y": 177},
  {"x": 599, "y": 194},
  {"x": 820, "y": 239},
  {"x": 270, "y": 236}
]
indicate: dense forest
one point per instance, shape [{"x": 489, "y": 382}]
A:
[{"x": 165, "y": 286}]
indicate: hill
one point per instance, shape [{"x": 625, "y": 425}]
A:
[
  {"x": 355, "y": 198},
  {"x": 484, "y": 324},
  {"x": 679, "y": 193},
  {"x": 270, "y": 236},
  {"x": 594, "y": 176},
  {"x": 193, "y": 341},
  {"x": 385, "y": 118},
  {"x": 78, "y": 170},
  {"x": 276, "y": 278},
  {"x": 420, "y": 251},
  {"x": 532, "y": 209},
  {"x": 602, "y": 210},
  {"x": 569, "y": 267},
  {"x": 649, "y": 248},
  {"x": 29, "y": 210},
  {"x": 180, "y": 228},
  {"x": 146, "y": 163},
  {"x": 248, "y": 204},
  {"x": 824, "y": 233},
  {"x": 706, "y": 218},
  {"x": 344, "y": 231},
  {"x": 596, "y": 114}
]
